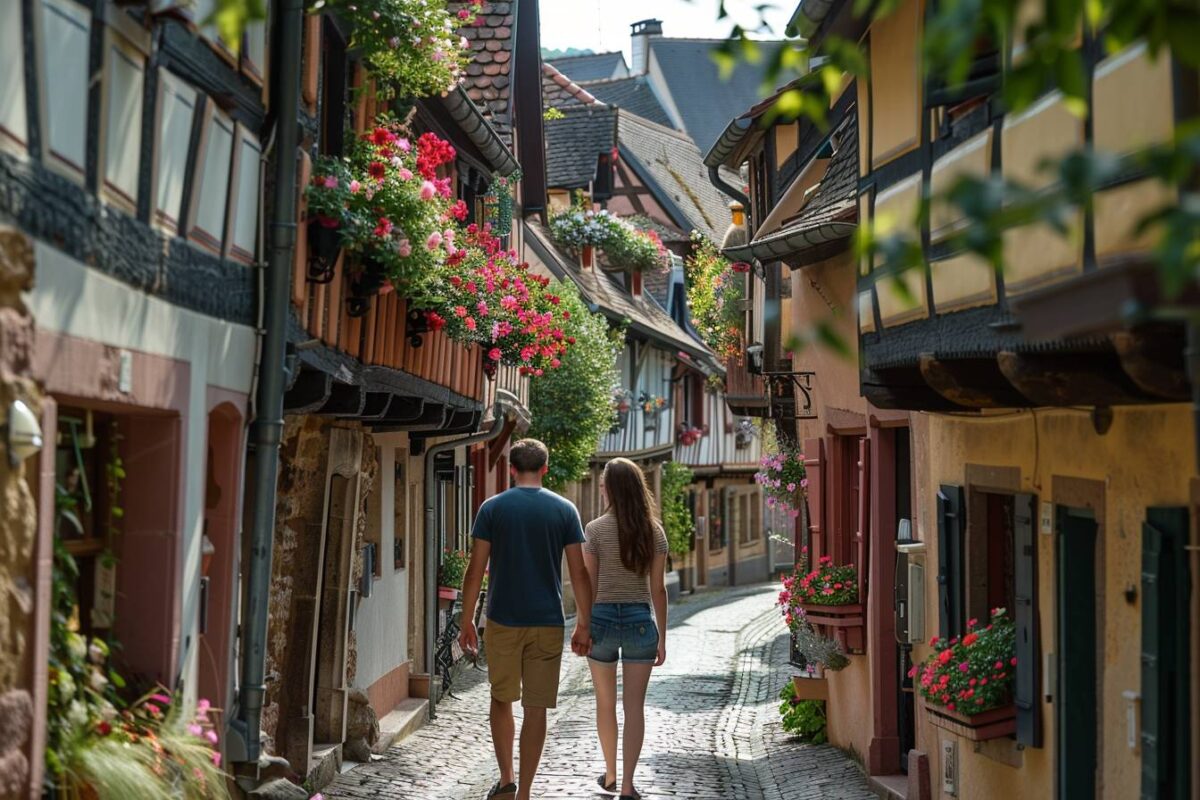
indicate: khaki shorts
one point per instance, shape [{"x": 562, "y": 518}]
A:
[{"x": 523, "y": 664}]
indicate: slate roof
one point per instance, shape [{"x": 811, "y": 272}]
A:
[
  {"x": 593, "y": 67},
  {"x": 574, "y": 143},
  {"x": 673, "y": 168},
  {"x": 632, "y": 94},
  {"x": 558, "y": 90},
  {"x": 705, "y": 102},
  {"x": 829, "y": 216},
  {"x": 489, "y": 72},
  {"x": 602, "y": 291}
]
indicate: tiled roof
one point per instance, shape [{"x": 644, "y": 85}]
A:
[
  {"x": 675, "y": 171},
  {"x": 575, "y": 142},
  {"x": 558, "y": 90},
  {"x": 489, "y": 73},
  {"x": 827, "y": 219},
  {"x": 593, "y": 66},
  {"x": 633, "y": 95},
  {"x": 705, "y": 102},
  {"x": 601, "y": 290}
]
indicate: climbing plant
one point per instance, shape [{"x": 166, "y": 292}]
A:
[
  {"x": 676, "y": 516},
  {"x": 572, "y": 406}
]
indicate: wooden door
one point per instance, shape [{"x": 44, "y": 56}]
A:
[{"x": 1076, "y": 626}]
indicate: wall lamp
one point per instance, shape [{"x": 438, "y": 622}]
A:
[{"x": 23, "y": 434}]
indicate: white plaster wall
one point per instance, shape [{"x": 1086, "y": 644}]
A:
[
  {"x": 381, "y": 624},
  {"x": 70, "y": 298}
]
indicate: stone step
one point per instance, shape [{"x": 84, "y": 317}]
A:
[
  {"x": 401, "y": 721},
  {"x": 890, "y": 787}
]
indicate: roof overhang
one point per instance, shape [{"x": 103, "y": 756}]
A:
[
  {"x": 470, "y": 119},
  {"x": 799, "y": 243}
]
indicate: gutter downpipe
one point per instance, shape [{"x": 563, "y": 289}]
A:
[
  {"x": 431, "y": 549},
  {"x": 266, "y": 430},
  {"x": 714, "y": 177}
]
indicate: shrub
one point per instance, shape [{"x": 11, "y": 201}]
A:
[{"x": 802, "y": 718}]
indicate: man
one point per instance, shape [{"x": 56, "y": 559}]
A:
[{"x": 524, "y": 533}]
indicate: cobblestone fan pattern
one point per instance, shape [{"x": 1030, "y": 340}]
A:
[{"x": 712, "y": 725}]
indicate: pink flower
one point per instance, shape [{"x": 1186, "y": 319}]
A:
[
  {"x": 405, "y": 174},
  {"x": 963, "y": 666},
  {"x": 404, "y": 248},
  {"x": 404, "y": 145},
  {"x": 791, "y": 487},
  {"x": 469, "y": 322},
  {"x": 216, "y": 758},
  {"x": 354, "y": 187},
  {"x": 331, "y": 182},
  {"x": 384, "y": 227},
  {"x": 202, "y": 706},
  {"x": 494, "y": 354},
  {"x": 439, "y": 55},
  {"x": 463, "y": 14},
  {"x": 211, "y": 736},
  {"x": 460, "y": 311},
  {"x": 434, "y": 241},
  {"x": 195, "y": 730},
  {"x": 428, "y": 190},
  {"x": 482, "y": 308}
]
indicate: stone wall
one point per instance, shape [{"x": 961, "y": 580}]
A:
[{"x": 18, "y": 526}]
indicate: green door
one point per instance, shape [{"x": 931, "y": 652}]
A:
[
  {"x": 1076, "y": 626},
  {"x": 1166, "y": 633}
]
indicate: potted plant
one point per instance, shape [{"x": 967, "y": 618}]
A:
[
  {"x": 451, "y": 573},
  {"x": 803, "y": 717},
  {"x": 967, "y": 682},
  {"x": 652, "y": 405},
  {"x": 715, "y": 293},
  {"x": 622, "y": 403},
  {"x": 636, "y": 250},
  {"x": 688, "y": 435},
  {"x": 489, "y": 298},
  {"x": 392, "y": 213},
  {"x": 581, "y": 230}
]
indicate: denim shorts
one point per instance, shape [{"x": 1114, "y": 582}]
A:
[{"x": 626, "y": 630}]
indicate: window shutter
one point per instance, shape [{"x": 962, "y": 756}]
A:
[
  {"x": 1025, "y": 617},
  {"x": 1165, "y": 646},
  {"x": 951, "y": 504},
  {"x": 864, "y": 515},
  {"x": 814, "y": 464}
]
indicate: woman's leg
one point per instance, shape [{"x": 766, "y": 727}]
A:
[
  {"x": 604, "y": 679},
  {"x": 636, "y": 678}
]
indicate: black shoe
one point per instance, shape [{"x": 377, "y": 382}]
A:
[
  {"x": 607, "y": 788},
  {"x": 498, "y": 791}
]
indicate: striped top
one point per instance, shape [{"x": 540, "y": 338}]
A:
[{"x": 616, "y": 583}]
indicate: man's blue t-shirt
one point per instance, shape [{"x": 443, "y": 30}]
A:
[{"x": 528, "y": 529}]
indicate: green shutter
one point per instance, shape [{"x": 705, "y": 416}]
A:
[
  {"x": 1165, "y": 647},
  {"x": 951, "y": 518},
  {"x": 1025, "y": 618}
]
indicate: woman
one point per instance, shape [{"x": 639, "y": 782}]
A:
[{"x": 626, "y": 554}]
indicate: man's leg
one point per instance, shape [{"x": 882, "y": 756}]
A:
[
  {"x": 503, "y": 730},
  {"x": 533, "y": 738}
]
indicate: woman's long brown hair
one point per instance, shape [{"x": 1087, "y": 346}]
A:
[{"x": 631, "y": 503}]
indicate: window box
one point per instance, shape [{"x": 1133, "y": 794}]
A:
[
  {"x": 994, "y": 724},
  {"x": 810, "y": 688},
  {"x": 843, "y": 622}
]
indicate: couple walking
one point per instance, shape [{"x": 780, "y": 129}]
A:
[{"x": 617, "y": 575}]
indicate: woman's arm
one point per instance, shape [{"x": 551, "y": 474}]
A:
[{"x": 658, "y": 594}]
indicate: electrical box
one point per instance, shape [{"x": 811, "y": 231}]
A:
[
  {"x": 949, "y": 767},
  {"x": 909, "y": 600}
]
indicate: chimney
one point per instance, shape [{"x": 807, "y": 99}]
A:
[{"x": 640, "y": 33}]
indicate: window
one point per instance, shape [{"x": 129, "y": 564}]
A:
[
  {"x": 248, "y": 168},
  {"x": 14, "y": 123},
  {"x": 123, "y": 84},
  {"x": 333, "y": 88},
  {"x": 716, "y": 520},
  {"x": 212, "y": 183},
  {"x": 65, "y": 37},
  {"x": 176, "y": 110},
  {"x": 254, "y": 52}
]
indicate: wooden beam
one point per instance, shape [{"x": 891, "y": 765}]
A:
[
  {"x": 1070, "y": 379},
  {"x": 1152, "y": 357},
  {"x": 971, "y": 382},
  {"x": 903, "y": 389}
]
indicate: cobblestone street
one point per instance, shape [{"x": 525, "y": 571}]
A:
[{"x": 712, "y": 725}]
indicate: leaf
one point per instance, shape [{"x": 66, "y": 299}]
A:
[{"x": 231, "y": 18}]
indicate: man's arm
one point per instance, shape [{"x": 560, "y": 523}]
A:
[
  {"x": 581, "y": 585},
  {"x": 481, "y": 551}
]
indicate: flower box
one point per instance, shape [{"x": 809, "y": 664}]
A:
[
  {"x": 845, "y": 622},
  {"x": 993, "y": 724},
  {"x": 447, "y": 593},
  {"x": 810, "y": 688}
]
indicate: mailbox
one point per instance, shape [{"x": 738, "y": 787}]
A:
[{"x": 909, "y": 600}]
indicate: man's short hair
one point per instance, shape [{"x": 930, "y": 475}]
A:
[{"x": 528, "y": 455}]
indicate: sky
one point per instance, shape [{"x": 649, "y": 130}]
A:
[{"x": 603, "y": 25}]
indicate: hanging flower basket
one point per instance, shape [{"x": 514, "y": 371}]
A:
[
  {"x": 994, "y": 724},
  {"x": 324, "y": 247},
  {"x": 810, "y": 688}
]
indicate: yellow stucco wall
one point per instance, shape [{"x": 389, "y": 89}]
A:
[{"x": 1145, "y": 459}]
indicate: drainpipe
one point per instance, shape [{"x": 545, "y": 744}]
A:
[
  {"x": 266, "y": 430},
  {"x": 714, "y": 177},
  {"x": 503, "y": 400}
]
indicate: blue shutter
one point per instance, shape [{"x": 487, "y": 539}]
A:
[{"x": 1025, "y": 617}]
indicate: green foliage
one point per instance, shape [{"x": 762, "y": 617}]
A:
[
  {"x": 714, "y": 295},
  {"x": 676, "y": 516},
  {"x": 572, "y": 406},
  {"x": 802, "y": 718},
  {"x": 453, "y": 569},
  {"x": 552, "y": 113},
  {"x": 624, "y": 245}
]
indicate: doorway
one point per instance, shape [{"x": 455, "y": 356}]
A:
[
  {"x": 905, "y": 700},
  {"x": 1076, "y": 609}
]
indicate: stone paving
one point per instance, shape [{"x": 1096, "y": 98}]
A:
[{"x": 712, "y": 725}]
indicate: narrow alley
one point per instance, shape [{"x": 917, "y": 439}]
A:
[{"x": 712, "y": 724}]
